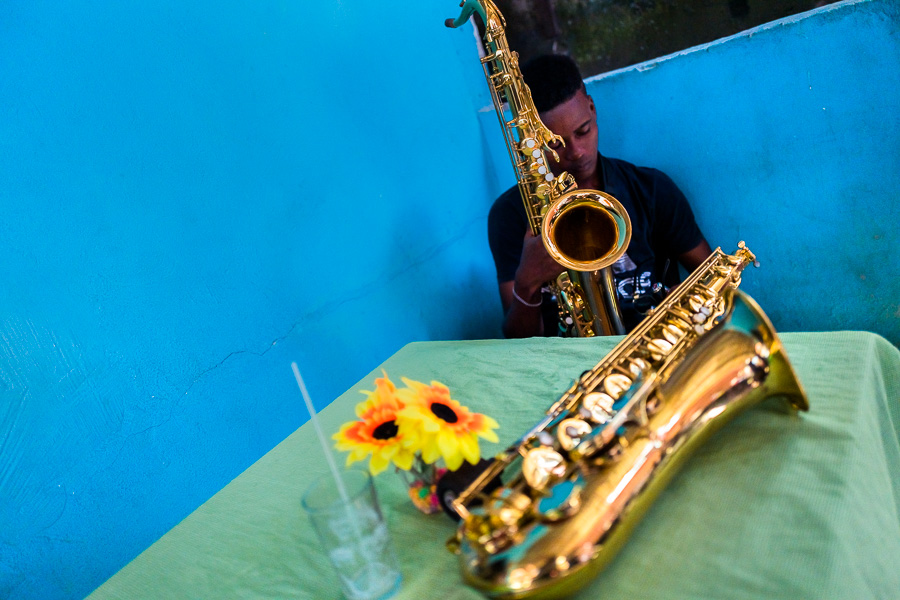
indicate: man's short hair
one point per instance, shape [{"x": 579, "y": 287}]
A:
[{"x": 553, "y": 79}]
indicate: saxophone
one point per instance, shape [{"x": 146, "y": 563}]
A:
[
  {"x": 552, "y": 510},
  {"x": 585, "y": 231}
]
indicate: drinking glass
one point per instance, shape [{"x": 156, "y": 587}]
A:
[{"x": 344, "y": 512}]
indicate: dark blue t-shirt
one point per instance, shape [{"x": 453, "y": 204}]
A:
[{"x": 662, "y": 228}]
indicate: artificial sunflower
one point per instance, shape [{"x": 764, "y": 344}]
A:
[
  {"x": 443, "y": 427},
  {"x": 379, "y": 432}
]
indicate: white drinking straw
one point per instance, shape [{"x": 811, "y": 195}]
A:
[
  {"x": 363, "y": 548},
  {"x": 315, "y": 421}
]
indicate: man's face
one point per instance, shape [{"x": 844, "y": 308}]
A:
[{"x": 575, "y": 121}]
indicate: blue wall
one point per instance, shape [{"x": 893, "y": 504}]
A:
[
  {"x": 786, "y": 136},
  {"x": 194, "y": 195}
]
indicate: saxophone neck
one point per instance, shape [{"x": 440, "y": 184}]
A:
[{"x": 484, "y": 8}]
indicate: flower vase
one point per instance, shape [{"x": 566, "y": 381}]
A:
[{"x": 421, "y": 484}]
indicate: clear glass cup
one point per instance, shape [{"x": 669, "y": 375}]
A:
[{"x": 349, "y": 523}]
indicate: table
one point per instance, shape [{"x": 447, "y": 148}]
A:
[{"x": 772, "y": 506}]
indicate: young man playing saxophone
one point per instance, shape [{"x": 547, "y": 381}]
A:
[{"x": 664, "y": 231}]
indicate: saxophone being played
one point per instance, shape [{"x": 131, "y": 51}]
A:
[
  {"x": 585, "y": 231},
  {"x": 575, "y": 485}
]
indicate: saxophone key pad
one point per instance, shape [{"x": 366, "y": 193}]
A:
[
  {"x": 616, "y": 384},
  {"x": 541, "y": 466},
  {"x": 599, "y": 406},
  {"x": 570, "y": 431},
  {"x": 672, "y": 333},
  {"x": 545, "y": 438},
  {"x": 659, "y": 348},
  {"x": 637, "y": 366}
]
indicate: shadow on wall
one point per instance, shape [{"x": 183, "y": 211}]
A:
[{"x": 445, "y": 289}]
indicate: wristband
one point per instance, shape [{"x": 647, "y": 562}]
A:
[{"x": 519, "y": 298}]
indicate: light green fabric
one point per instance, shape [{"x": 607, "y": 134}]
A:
[{"x": 773, "y": 506}]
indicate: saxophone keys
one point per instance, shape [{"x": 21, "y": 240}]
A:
[
  {"x": 719, "y": 307},
  {"x": 542, "y": 192},
  {"x": 672, "y": 333},
  {"x": 637, "y": 366},
  {"x": 570, "y": 431},
  {"x": 599, "y": 407},
  {"x": 541, "y": 466},
  {"x": 529, "y": 148},
  {"x": 698, "y": 303},
  {"x": 508, "y": 507},
  {"x": 616, "y": 384},
  {"x": 562, "y": 500},
  {"x": 659, "y": 348},
  {"x": 679, "y": 316}
]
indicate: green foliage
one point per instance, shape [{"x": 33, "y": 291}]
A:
[{"x": 604, "y": 35}]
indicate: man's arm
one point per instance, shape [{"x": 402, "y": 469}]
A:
[
  {"x": 519, "y": 320},
  {"x": 694, "y": 257},
  {"x": 522, "y": 315}
]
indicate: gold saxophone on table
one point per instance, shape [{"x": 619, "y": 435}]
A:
[
  {"x": 576, "y": 484},
  {"x": 585, "y": 231}
]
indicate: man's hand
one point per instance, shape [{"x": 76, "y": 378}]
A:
[{"x": 535, "y": 269}]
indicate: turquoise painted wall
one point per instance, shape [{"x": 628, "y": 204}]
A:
[
  {"x": 786, "y": 136},
  {"x": 194, "y": 195}
]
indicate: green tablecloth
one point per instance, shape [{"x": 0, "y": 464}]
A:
[{"x": 773, "y": 506}]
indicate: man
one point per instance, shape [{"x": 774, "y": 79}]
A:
[{"x": 664, "y": 231}]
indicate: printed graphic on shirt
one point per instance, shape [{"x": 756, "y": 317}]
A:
[{"x": 635, "y": 285}]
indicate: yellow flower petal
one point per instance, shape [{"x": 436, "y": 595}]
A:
[
  {"x": 450, "y": 450},
  {"x": 468, "y": 446},
  {"x": 447, "y": 443},
  {"x": 404, "y": 460},
  {"x": 430, "y": 451},
  {"x": 357, "y": 454},
  {"x": 489, "y": 422},
  {"x": 378, "y": 464},
  {"x": 489, "y": 436},
  {"x": 454, "y": 461}
]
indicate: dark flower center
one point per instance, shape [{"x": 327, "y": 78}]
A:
[
  {"x": 385, "y": 431},
  {"x": 442, "y": 411}
]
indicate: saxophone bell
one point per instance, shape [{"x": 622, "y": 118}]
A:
[{"x": 586, "y": 230}]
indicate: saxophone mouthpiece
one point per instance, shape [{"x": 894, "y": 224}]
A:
[{"x": 468, "y": 7}]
